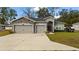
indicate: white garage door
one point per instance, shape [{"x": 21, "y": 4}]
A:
[
  {"x": 41, "y": 28},
  {"x": 23, "y": 28}
]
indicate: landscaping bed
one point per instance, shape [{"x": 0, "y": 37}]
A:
[
  {"x": 67, "y": 38},
  {"x": 5, "y": 32}
]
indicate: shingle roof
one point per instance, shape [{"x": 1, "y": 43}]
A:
[
  {"x": 41, "y": 19},
  {"x": 37, "y": 19},
  {"x": 33, "y": 19}
]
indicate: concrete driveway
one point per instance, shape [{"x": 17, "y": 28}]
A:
[{"x": 30, "y": 42}]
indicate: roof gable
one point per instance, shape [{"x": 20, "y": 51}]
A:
[
  {"x": 23, "y": 20},
  {"x": 43, "y": 19},
  {"x": 27, "y": 19},
  {"x": 47, "y": 19}
]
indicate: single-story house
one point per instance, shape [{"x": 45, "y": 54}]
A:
[
  {"x": 33, "y": 25},
  {"x": 76, "y": 26}
]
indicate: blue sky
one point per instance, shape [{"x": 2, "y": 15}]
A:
[{"x": 21, "y": 13}]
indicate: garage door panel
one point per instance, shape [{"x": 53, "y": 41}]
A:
[
  {"x": 41, "y": 28},
  {"x": 23, "y": 28}
]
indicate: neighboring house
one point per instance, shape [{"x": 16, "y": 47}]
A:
[
  {"x": 1, "y": 27},
  {"x": 33, "y": 25},
  {"x": 76, "y": 26},
  {"x": 59, "y": 25},
  {"x": 8, "y": 27}
]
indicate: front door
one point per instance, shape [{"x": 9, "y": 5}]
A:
[{"x": 49, "y": 26}]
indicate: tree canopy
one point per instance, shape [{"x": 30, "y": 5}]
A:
[
  {"x": 7, "y": 14},
  {"x": 43, "y": 12},
  {"x": 28, "y": 11},
  {"x": 69, "y": 16},
  {"x": 40, "y": 12}
]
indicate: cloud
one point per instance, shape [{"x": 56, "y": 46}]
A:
[{"x": 36, "y": 8}]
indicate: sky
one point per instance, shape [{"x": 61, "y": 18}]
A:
[{"x": 21, "y": 13}]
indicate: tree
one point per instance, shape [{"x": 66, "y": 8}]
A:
[
  {"x": 28, "y": 11},
  {"x": 43, "y": 12},
  {"x": 2, "y": 21},
  {"x": 4, "y": 11},
  {"x": 12, "y": 14},
  {"x": 8, "y": 14},
  {"x": 53, "y": 10},
  {"x": 39, "y": 12},
  {"x": 69, "y": 16}
]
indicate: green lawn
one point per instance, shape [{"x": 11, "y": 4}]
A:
[
  {"x": 67, "y": 38},
  {"x": 3, "y": 33}
]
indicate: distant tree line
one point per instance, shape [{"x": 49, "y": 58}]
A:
[{"x": 41, "y": 13}]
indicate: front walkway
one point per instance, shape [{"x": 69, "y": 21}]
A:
[{"x": 30, "y": 42}]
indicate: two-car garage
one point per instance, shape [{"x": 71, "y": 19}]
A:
[
  {"x": 31, "y": 25},
  {"x": 29, "y": 28}
]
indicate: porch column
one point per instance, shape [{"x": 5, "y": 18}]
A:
[{"x": 53, "y": 25}]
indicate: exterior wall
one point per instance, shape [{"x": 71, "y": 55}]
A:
[
  {"x": 59, "y": 27},
  {"x": 76, "y": 26}
]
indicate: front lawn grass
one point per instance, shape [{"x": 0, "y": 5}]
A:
[
  {"x": 67, "y": 38},
  {"x": 6, "y": 32}
]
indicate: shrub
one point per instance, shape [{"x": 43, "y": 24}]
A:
[
  {"x": 69, "y": 29},
  {"x": 59, "y": 31},
  {"x": 10, "y": 31}
]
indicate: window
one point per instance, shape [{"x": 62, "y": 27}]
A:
[
  {"x": 59, "y": 28},
  {"x": 56, "y": 28}
]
